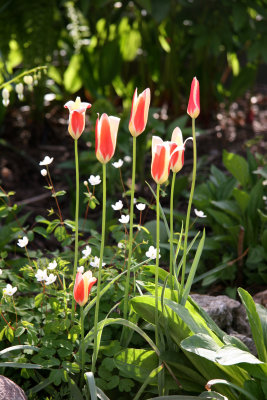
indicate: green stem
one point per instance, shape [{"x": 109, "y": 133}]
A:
[
  {"x": 30, "y": 71},
  {"x": 126, "y": 294},
  {"x": 82, "y": 344},
  {"x": 100, "y": 265},
  {"x": 171, "y": 226},
  {"x": 189, "y": 207},
  {"x": 157, "y": 274},
  {"x": 76, "y": 223}
]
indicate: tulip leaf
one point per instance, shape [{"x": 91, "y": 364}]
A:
[{"x": 237, "y": 166}]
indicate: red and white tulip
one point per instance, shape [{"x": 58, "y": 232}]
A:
[
  {"x": 160, "y": 164},
  {"x": 193, "y": 108},
  {"x": 77, "y": 116},
  {"x": 177, "y": 150},
  {"x": 106, "y": 131},
  {"x": 139, "y": 112},
  {"x": 82, "y": 287}
]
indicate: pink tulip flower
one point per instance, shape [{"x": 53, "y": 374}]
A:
[
  {"x": 77, "y": 116},
  {"x": 139, "y": 112},
  {"x": 193, "y": 108},
  {"x": 106, "y": 131}
]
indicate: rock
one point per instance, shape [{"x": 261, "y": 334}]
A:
[
  {"x": 229, "y": 315},
  {"x": 10, "y": 391},
  {"x": 261, "y": 298}
]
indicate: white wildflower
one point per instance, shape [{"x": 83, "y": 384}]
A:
[
  {"x": 28, "y": 79},
  {"x": 94, "y": 180},
  {"x": 118, "y": 164},
  {"x": 152, "y": 253},
  {"x": 86, "y": 252},
  {"x": 23, "y": 242},
  {"x": 95, "y": 262},
  {"x": 200, "y": 213},
  {"x": 50, "y": 279},
  {"x": 5, "y": 95},
  {"x": 80, "y": 269},
  {"x": 1, "y": 271},
  {"x": 124, "y": 219},
  {"x": 52, "y": 265},
  {"x": 127, "y": 159},
  {"x": 41, "y": 275},
  {"x": 9, "y": 290},
  {"x": 43, "y": 172},
  {"x": 140, "y": 206},
  {"x": 121, "y": 245},
  {"x": 19, "y": 90},
  {"x": 46, "y": 161},
  {"x": 117, "y": 206}
]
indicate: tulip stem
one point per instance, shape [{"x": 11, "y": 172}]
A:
[
  {"x": 126, "y": 293},
  {"x": 189, "y": 208},
  {"x": 76, "y": 223},
  {"x": 100, "y": 265},
  {"x": 171, "y": 228},
  {"x": 157, "y": 272},
  {"x": 82, "y": 340}
]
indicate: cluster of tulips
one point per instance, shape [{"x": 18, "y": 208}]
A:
[{"x": 166, "y": 156}]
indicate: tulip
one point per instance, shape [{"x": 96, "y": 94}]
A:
[
  {"x": 139, "y": 112},
  {"x": 177, "y": 150},
  {"x": 160, "y": 165},
  {"x": 77, "y": 116},
  {"x": 106, "y": 131},
  {"x": 193, "y": 108},
  {"x": 82, "y": 287}
]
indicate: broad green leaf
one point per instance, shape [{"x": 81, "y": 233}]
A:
[
  {"x": 228, "y": 206},
  {"x": 202, "y": 345},
  {"x": 242, "y": 198},
  {"x": 255, "y": 201},
  {"x": 75, "y": 392},
  {"x": 237, "y": 166},
  {"x": 254, "y": 322},
  {"x": 231, "y": 355},
  {"x": 232, "y": 385},
  {"x": 72, "y": 75},
  {"x": 136, "y": 363},
  {"x": 262, "y": 312}
]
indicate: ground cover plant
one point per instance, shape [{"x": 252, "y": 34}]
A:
[{"x": 100, "y": 316}]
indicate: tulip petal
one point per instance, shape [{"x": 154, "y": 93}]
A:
[
  {"x": 106, "y": 147},
  {"x": 78, "y": 291},
  {"x": 77, "y": 123}
]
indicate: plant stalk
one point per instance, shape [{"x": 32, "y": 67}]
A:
[
  {"x": 104, "y": 200},
  {"x": 126, "y": 294},
  {"x": 82, "y": 344},
  {"x": 171, "y": 228},
  {"x": 76, "y": 223},
  {"x": 189, "y": 207},
  {"x": 157, "y": 273}
]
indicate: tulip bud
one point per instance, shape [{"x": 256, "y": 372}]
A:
[
  {"x": 77, "y": 117},
  {"x": 177, "y": 150},
  {"x": 193, "y": 108},
  {"x": 82, "y": 287},
  {"x": 139, "y": 112},
  {"x": 160, "y": 165},
  {"x": 106, "y": 131}
]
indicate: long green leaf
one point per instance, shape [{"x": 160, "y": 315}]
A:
[
  {"x": 19, "y": 347},
  {"x": 91, "y": 384},
  {"x": 254, "y": 322},
  {"x": 101, "y": 394},
  {"x": 231, "y": 385},
  {"x": 187, "y": 251},
  {"x": 42, "y": 385},
  {"x": 21, "y": 365},
  {"x": 161, "y": 211},
  {"x": 193, "y": 269},
  {"x": 151, "y": 376}
]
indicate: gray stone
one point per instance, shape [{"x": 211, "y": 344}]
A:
[{"x": 10, "y": 391}]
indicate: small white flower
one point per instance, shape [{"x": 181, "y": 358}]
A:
[
  {"x": 94, "y": 180},
  {"x": 23, "y": 242},
  {"x": 1, "y": 271},
  {"x": 52, "y": 265},
  {"x": 152, "y": 253},
  {"x": 140, "y": 206},
  {"x": 19, "y": 88},
  {"x": 134, "y": 200},
  {"x": 124, "y": 219},
  {"x": 127, "y": 159},
  {"x": 86, "y": 252},
  {"x": 85, "y": 183},
  {"x": 5, "y": 95},
  {"x": 41, "y": 275},
  {"x": 117, "y": 206},
  {"x": 43, "y": 172},
  {"x": 9, "y": 290},
  {"x": 121, "y": 245},
  {"x": 95, "y": 262},
  {"x": 118, "y": 164},
  {"x": 80, "y": 269},
  {"x": 200, "y": 214},
  {"x": 28, "y": 79},
  {"x": 50, "y": 279},
  {"x": 46, "y": 161}
]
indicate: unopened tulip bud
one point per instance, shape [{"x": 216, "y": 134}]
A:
[
  {"x": 193, "y": 108},
  {"x": 139, "y": 112},
  {"x": 106, "y": 131}
]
